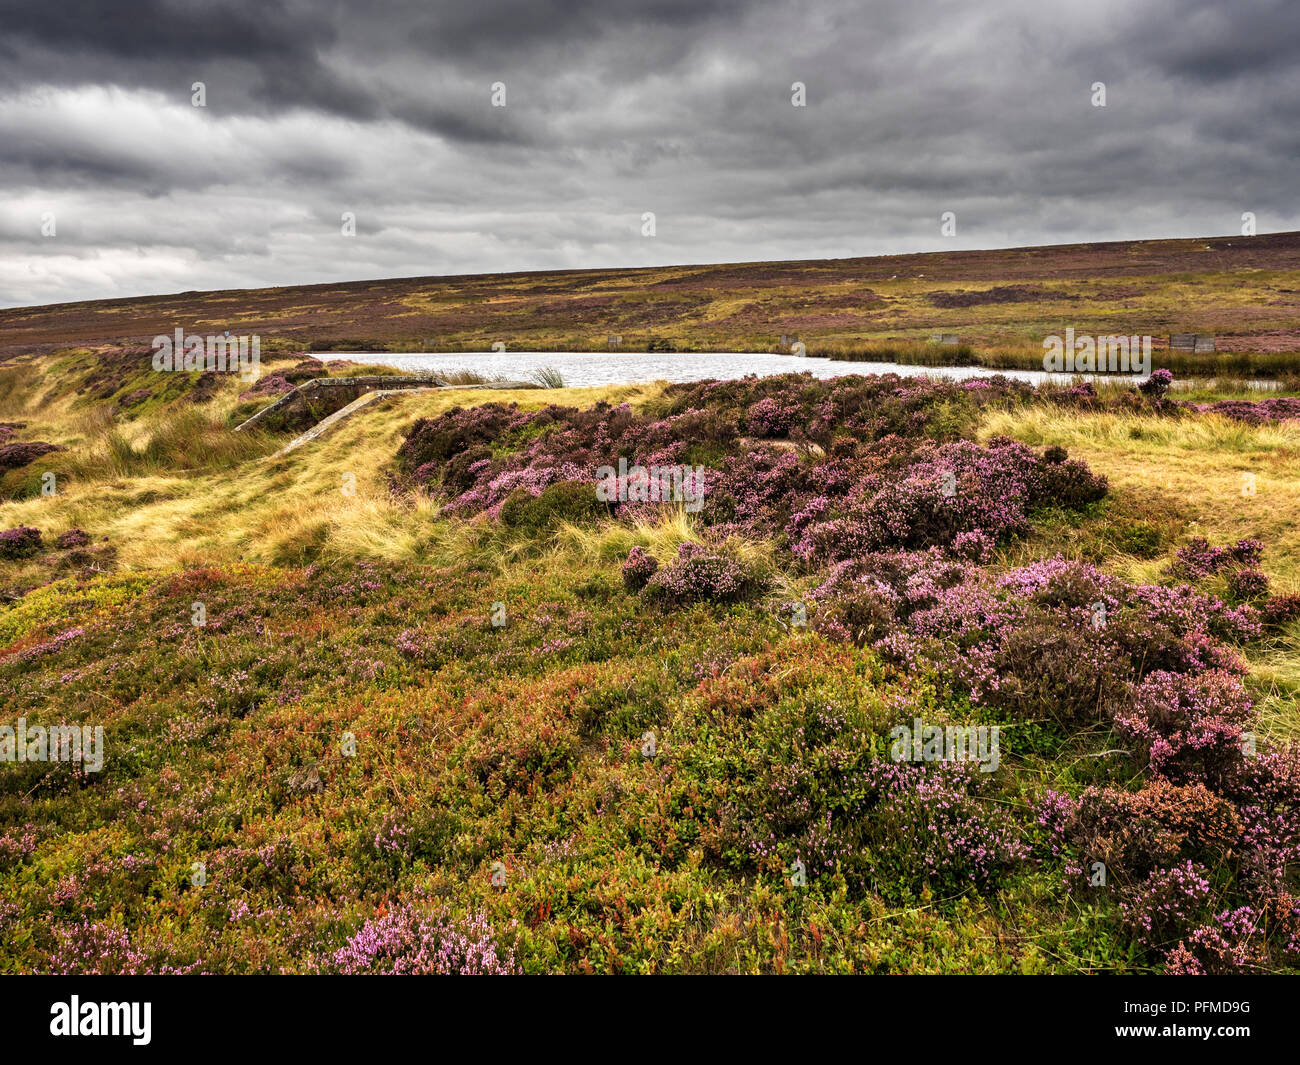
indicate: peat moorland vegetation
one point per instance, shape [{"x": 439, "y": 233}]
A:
[{"x": 412, "y": 734}]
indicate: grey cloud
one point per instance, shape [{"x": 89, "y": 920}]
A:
[{"x": 681, "y": 107}]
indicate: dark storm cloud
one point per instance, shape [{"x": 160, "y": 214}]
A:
[
  {"x": 1217, "y": 41},
  {"x": 261, "y": 57},
  {"x": 679, "y": 107},
  {"x": 145, "y": 29}
]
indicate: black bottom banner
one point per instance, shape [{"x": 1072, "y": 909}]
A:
[{"x": 1063, "y": 1016}]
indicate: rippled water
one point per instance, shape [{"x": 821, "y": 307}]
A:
[{"x": 582, "y": 368}]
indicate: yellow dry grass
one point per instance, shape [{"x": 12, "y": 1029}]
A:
[{"x": 330, "y": 496}]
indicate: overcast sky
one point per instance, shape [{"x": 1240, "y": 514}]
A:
[{"x": 614, "y": 108}]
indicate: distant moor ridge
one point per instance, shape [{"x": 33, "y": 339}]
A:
[{"x": 1243, "y": 290}]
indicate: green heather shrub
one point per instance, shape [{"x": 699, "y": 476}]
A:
[
  {"x": 1141, "y": 538},
  {"x": 565, "y": 501}
]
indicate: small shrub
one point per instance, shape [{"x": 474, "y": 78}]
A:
[
  {"x": 638, "y": 569},
  {"x": 1157, "y": 384},
  {"x": 1280, "y": 611},
  {"x": 1198, "y": 560},
  {"x": 699, "y": 575},
  {"x": 15, "y": 456},
  {"x": 1247, "y": 585},
  {"x": 413, "y": 940},
  {"x": 72, "y": 538},
  {"x": 20, "y": 542},
  {"x": 571, "y": 501}
]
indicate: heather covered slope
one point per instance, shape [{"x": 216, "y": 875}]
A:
[
  {"x": 1003, "y": 302},
  {"x": 469, "y": 718}
]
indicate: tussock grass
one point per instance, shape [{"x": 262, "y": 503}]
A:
[
  {"x": 464, "y": 377},
  {"x": 1275, "y": 679},
  {"x": 17, "y": 383},
  {"x": 611, "y": 542},
  {"x": 182, "y": 441},
  {"x": 547, "y": 377},
  {"x": 186, "y": 491},
  {"x": 1043, "y": 426}
]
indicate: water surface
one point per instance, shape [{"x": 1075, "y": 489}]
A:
[{"x": 589, "y": 368}]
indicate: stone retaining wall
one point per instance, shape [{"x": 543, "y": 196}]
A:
[{"x": 342, "y": 391}]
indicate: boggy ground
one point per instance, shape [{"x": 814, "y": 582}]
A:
[{"x": 351, "y": 767}]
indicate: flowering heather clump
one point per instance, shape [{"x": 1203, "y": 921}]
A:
[
  {"x": 1060, "y": 641},
  {"x": 1157, "y": 384},
  {"x": 20, "y": 542},
  {"x": 1247, "y": 585},
  {"x": 52, "y": 646},
  {"x": 1262, "y": 412},
  {"x": 1266, "y": 790},
  {"x": 866, "y": 598},
  {"x": 92, "y": 948},
  {"x": 72, "y": 538},
  {"x": 279, "y": 382},
  {"x": 1233, "y": 942},
  {"x": 1182, "y": 962},
  {"x": 15, "y": 456},
  {"x": 956, "y": 838},
  {"x": 1135, "y": 832},
  {"x": 1198, "y": 560},
  {"x": 412, "y": 644},
  {"x": 1081, "y": 394},
  {"x": 1155, "y": 845},
  {"x": 638, "y": 569},
  {"x": 1190, "y": 727},
  {"x": 411, "y": 940},
  {"x": 975, "y": 545},
  {"x": 1168, "y": 902},
  {"x": 770, "y": 417},
  {"x": 135, "y": 396},
  {"x": 890, "y": 468},
  {"x": 1279, "y": 611},
  {"x": 959, "y": 488},
  {"x": 700, "y": 575},
  {"x": 1208, "y": 806},
  {"x": 1150, "y": 397},
  {"x": 435, "y": 440},
  {"x": 841, "y": 809},
  {"x": 757, "y": 491},
  {"x": 1063, "y": 482},
  {"x": 16, "y": 847},
  {"x": 96, "y": 948}
]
